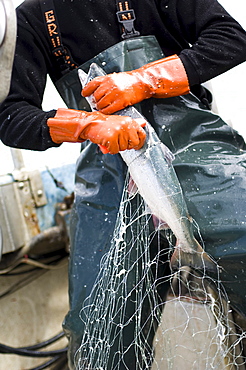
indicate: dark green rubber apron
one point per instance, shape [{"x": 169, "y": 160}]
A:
[{"x": 210, "y": 163}]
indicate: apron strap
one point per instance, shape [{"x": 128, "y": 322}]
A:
[
  {"x": 125, "y": 15},
  {"x": 59, "y": 51},
  {"x": 126, "y": 18}
]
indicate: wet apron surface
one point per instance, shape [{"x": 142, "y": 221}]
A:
[{"x": 210, "y": 164}]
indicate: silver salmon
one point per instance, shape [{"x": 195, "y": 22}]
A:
[{"x": 151, "y": 169}]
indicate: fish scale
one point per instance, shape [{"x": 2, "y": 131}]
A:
[{"x": 152, "y": 171}]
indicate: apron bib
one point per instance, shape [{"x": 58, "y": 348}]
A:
[{"x": 210, "y": 164}]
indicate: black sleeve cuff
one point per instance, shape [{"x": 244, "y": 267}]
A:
[{"x": 191, "y": 71}]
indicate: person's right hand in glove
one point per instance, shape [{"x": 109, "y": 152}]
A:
[{"x": 115, "y": 133}]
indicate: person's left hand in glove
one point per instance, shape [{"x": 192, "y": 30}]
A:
[{"x": 163, "y": 78}]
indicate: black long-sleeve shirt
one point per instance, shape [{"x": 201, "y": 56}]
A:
[{"x": 207, "y": 39}]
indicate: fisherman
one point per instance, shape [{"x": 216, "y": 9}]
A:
[{"x": 164, "y": 50}]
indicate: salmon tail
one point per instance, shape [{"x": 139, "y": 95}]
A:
[{"x": 195, "y": 258}]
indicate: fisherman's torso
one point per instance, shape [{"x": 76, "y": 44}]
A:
[{"x": 90, "y": 26}]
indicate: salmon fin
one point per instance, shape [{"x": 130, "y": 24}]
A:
[
  {"x": 159, "y": 224},
  {"x": 168, "y": 155},
  {"x": 132, "y": 187},
  {"x": 83, "y": 77},
  {"x": 95, "y": 70},
  {"x": 195, "y": 258}
]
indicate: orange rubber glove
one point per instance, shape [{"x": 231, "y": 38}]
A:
[
  {"x": 163, "y": 78},
  {"x": 115, "y": 133}
]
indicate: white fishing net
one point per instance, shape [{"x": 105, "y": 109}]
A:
[{"x": 140, "y": 315}]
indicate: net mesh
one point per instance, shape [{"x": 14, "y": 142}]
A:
[{"x": 140, "y": 315}]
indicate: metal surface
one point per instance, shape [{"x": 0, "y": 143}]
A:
[
  {"x": 18, "y": 217},
  {"x": 17, "y": 158},
  {"x": 36, "y": 185},
  {"x": 30, "y": 203},
  {"x": 20, "y": 174}
]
